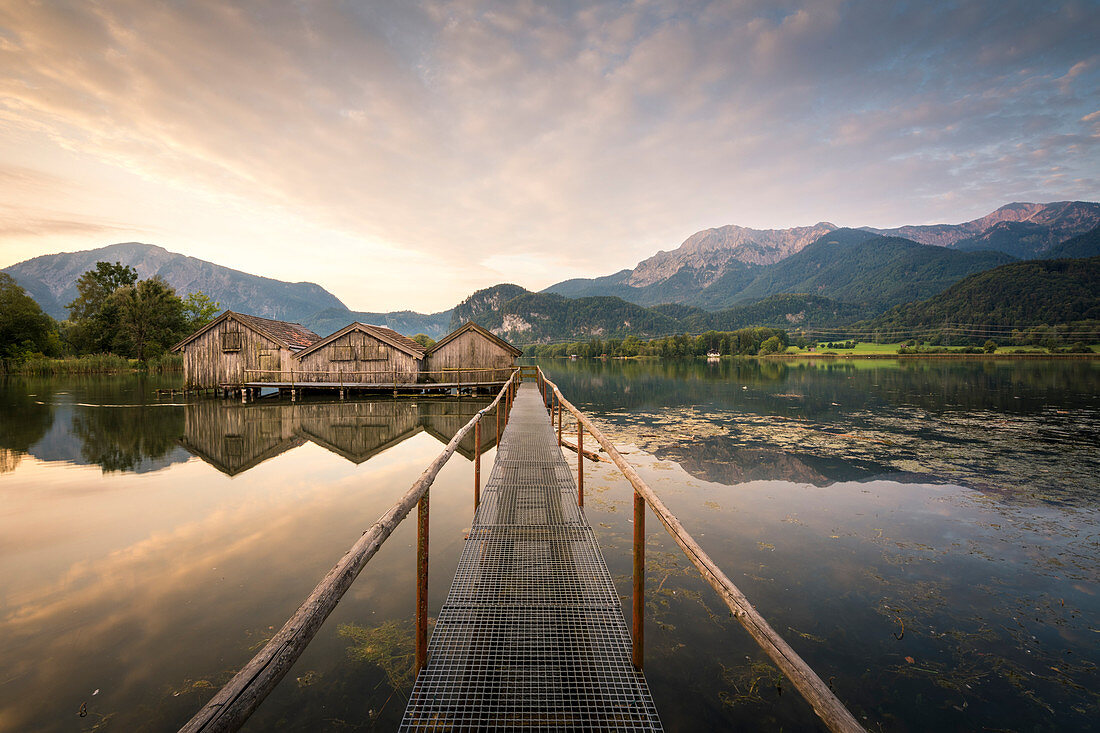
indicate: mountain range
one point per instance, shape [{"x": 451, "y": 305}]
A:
[
  {"x": 717, "y": 268},
  {"x": 51, "y": 280},
  {"x": 722, "y": 278}
]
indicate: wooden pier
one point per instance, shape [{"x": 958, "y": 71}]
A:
[{"x": 531, "y": 635}]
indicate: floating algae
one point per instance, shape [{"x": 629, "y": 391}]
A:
[
  {"x": 760, "y": 682},
  {"x": 1023, "y": 457},
  {"x": 390, "y": 646}
]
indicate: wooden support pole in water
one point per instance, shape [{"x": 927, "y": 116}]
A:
[
  {"x": 590, "y": 455},
  {"x": 422, "y": 582},
  {"x": 559, "y": 418},
  {"x": 477, "y": 464},
  {"x": 580, "y": 464},
  {"x": 230, "y": 707},
  {"x": 638, "y": 649},
  {"x": 812, "y": 688}
]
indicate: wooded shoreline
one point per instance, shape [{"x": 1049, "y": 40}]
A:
[{"x": 110, "y": 365}]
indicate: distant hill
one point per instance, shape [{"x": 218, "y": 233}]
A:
[
  {"x": 1086, "y": 245},
  {"x": 783, "y": 310},
  {"x": 51, "y": 281},
  {"x": 1022, "y": 239},
  {"x": 1015, "y": 295},
  {"x": 718, "y": 268},
  {"x": 484, "y": 303},
  {"x": 532, "y": 318},
  {"x": 408, "y": 323},
  {"x": 876, "y": 271}
]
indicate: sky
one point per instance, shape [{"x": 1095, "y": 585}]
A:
[{"x": 404, "y": 154}]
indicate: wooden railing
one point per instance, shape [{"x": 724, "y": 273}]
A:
[
  {"x": 827, "y": 706},
  {"x": 234, "y": 703},
  {"x": 302, "y": 377}
]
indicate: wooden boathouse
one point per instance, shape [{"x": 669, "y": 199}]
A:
[
  {"x": 239, "y": 353},
  {"x": 234, "y": 345},
  {"x": 470, "y": 353},
  {"x": 358, "y": 354}
]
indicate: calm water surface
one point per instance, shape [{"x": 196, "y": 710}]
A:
[{"x": 926, "y": 534}]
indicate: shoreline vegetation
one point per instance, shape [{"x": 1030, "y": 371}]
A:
[
  {"x": 773, "y": 342},
  {"x": 91, "y": 364},
  {"x": 953, "y": 354},
  {"x": 117, "y": 324},
  {"x": 168, "y": 363}
]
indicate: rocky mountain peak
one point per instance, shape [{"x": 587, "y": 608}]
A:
[
  {"x": 1064, "y": 219},
  {"x": 709, "y": 250}
]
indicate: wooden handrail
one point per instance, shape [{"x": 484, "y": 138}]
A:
[
  {"x": 232, "y": 704},
  {"x": 450, "y": 370},
  {"x": 827, "y": 705}
]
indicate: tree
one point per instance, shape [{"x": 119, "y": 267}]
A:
[
  {"x": 151, "y": 318},
  {"x": 93, "y": 317},
  {"x": 424, "y": 340},
  {"x": 24, "y": 328},
  {"x": 96, "y": 285},
  {"x": 771, "y": 345},
  {"x": 990, "y": 346},
  {"x": 199, "y": 309}
]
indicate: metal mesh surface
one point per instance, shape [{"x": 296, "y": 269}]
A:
[{"x": 531, "y": 635}]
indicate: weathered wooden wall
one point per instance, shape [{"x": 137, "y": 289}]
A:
[
  {"x": 207, "y": 364},
  {"x": 372, "y": 362},
  {"x": 464, "y": 355}
]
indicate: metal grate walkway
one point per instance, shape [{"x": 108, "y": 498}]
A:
[{"x": 531, "y": 635}]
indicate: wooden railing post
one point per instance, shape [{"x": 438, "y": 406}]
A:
[
  {"x": 638, "y": 649},
  {"x": 477, "y": 464},
  {"x": 580, "y": 464},
  {"x": 422, "y": 582},
  {"x": 559, "y": 421}
]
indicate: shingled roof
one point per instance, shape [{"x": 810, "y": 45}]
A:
[
  {"x": 293, "y": 336},
  {"x": 383, "y": 334},
  {"x": 471, "y": 326}
]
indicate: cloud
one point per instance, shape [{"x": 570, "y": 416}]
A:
[{"x": 592, "y": 133}]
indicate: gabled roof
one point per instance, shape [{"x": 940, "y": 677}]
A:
[
  {"x": 293, "y": 336},
  {"x": 471, "y": 326},
  {"x": 383, "y": 334}
]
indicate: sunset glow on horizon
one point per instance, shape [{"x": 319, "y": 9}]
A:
[{"x": 402, "y": 155}]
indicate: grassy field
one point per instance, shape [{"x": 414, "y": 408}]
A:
[{"x": 869, "y": 349}]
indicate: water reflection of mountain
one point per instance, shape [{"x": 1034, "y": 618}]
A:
[
  {"x": 236, "y": 437},
  {"x": 722, "y": 461}
]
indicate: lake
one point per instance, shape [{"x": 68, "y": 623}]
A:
[{"x": 924, "y": 533}]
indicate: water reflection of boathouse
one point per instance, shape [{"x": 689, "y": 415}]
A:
[{"x": 234, "y": 437}]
